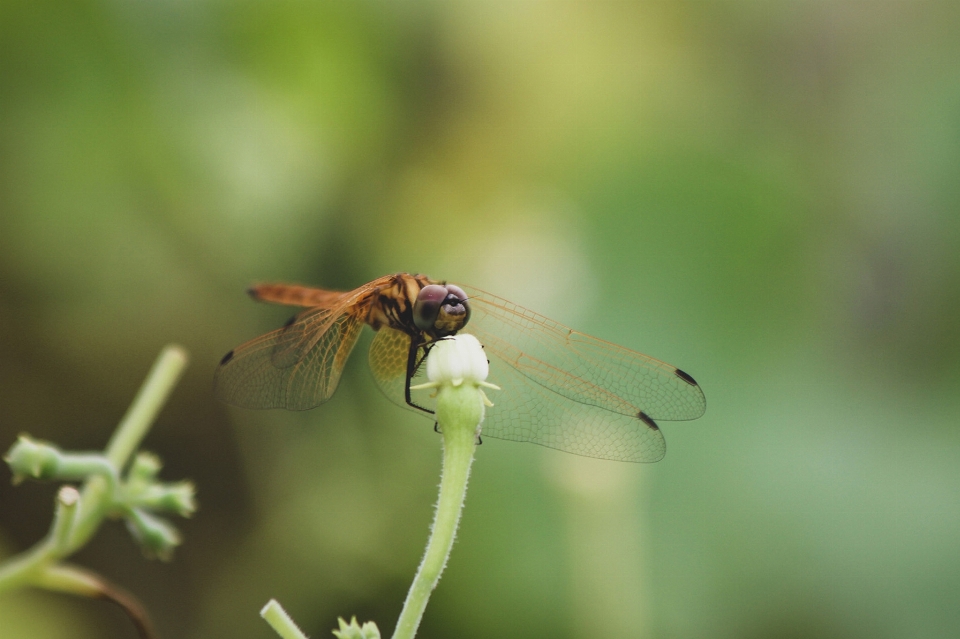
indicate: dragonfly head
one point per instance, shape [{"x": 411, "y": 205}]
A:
[{"x": 441, "y": 310}]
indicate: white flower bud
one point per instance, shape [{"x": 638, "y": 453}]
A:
[
  {"x": 458, "y": 358},
  {"x": 453, "y": 361}
]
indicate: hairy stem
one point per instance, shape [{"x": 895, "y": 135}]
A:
[{"x": 459, "y": 411}]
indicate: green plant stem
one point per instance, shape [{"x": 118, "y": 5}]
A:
[
  {"x": 29, "y": 567},
  {"x": 35, "y": 565},
  {"x": 19, "y": 571},
  {"x": 274, "y": 614},
  {"x": 164, "y": 375},
  {"x": 74, "y": 580},
  {"x": 134, "y": 426},
  {"x": 67, "y": 500},
  {"x": 459, "y": 411}
]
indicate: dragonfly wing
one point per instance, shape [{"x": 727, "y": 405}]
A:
[
  {"x": 581, "y": 368},
  {"x": 525, "y": 411},
  {"x": 388, "y": 363},
  {"x": 296, "y": 367}
]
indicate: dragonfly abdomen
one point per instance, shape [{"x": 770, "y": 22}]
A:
[{"x": 293, "y": 295}]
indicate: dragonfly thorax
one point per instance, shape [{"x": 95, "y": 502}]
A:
[{"x": 418, "y": 306}]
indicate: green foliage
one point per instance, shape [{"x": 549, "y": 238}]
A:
[{"x": 138, "y": 497}]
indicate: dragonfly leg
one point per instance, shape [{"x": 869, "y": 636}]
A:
[
  {"x": 426, "y": 351},
  {"x": 413, "y": 365}
]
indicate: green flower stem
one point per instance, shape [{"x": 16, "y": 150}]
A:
[
  {"x": 274, "y": 614},
  {"x": 459, "y": 412},
  {"x": 76, "y": 521}
]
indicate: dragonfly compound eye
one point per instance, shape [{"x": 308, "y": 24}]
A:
[
  {"x": 427, "y": 307},
  {"x": 454, "y": 312}
]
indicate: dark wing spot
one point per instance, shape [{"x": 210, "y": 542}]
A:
[
  {"x": 290, "y": 321},
  {"x": 226, "y": 358},
  {"x": 646, "y": 419},
  {"x": 685, "y": 377},
  {"x": 252, "y": 292}
]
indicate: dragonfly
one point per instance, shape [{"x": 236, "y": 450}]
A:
[{"x": 560, "y": 388}]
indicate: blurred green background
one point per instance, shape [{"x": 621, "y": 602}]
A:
[{"x": 766, "y": 194}]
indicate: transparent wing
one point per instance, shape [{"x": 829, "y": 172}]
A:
[
  {"x": 583, "y": 369},
  {"x": 388, "y": 363},
  {"x": 296, "y": 367},
  {"x": 525, "y": 411}
]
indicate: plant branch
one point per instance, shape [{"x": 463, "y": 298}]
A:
[
  {"x": 78, "y": 514},
  {"x": 75, "y": 580},
  {"x": 274, "y": 614},
  {"x": 164, "y": 375}
]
